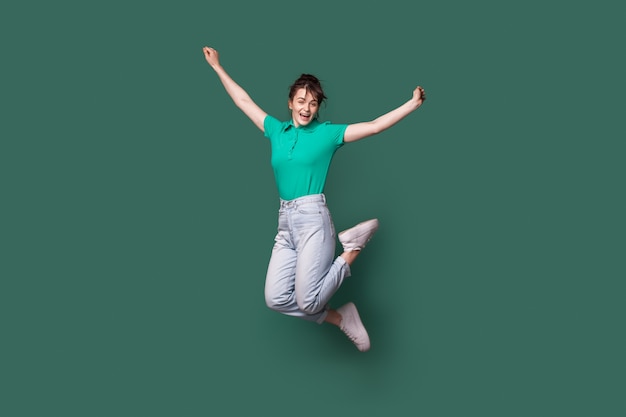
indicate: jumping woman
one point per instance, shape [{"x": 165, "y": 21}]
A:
[{"x": 303, "y": 272}]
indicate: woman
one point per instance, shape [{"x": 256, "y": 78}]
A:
[{"x": 303, "y": 273}]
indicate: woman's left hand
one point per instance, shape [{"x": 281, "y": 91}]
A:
[{"x": 419, "y": 95}]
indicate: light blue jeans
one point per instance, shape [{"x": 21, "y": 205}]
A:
[{"x": 303, "y": 273}]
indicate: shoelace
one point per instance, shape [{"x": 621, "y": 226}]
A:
[{"x": 347, "y": 333}]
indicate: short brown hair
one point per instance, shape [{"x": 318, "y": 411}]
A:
[{"x": 311, "y": 84}]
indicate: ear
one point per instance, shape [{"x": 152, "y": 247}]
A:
[{"x": 289, "y": 104}]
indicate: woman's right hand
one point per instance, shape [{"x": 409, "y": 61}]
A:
[{"x": 211, "y": 56}]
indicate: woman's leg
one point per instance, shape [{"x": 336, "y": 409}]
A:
[
  {"x": 347, "y": 316},
  {"x": 302, "y": 275},
  {"x": 302, "y": 257},
  {"x": 333, "y": 317},
  {"x": 318, "y": 272},
  {"x": 280, "y": 278}
]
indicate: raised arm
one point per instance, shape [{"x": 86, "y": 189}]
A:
[
  {"x": 238, "y": 94},
  {"x": 362, "y": 130}
]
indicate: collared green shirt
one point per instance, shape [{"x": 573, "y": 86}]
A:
[{"x": 301, "y": 155}]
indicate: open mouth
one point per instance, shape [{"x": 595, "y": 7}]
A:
[{"x": 305, "y": 117}]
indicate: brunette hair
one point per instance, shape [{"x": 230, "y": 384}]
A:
[{"x": 311, "y": 84}]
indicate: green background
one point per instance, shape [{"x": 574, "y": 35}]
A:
[{"x": 139, "y": 209}]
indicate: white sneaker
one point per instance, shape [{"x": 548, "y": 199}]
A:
[
  {"x": 352, "y": 326},
  {"x": 356, "y": 237}
]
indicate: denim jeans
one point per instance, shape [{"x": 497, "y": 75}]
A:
[{"x": 303, "y": 273}]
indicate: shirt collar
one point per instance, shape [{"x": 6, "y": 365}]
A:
[{"x": 311, "y": 126}]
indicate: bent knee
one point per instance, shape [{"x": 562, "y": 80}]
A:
[
  {"x": 310, "y": 307},
  {"x": 277, "y": 302}
]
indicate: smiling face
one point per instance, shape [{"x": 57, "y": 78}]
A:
[{"x": 303, "y": 107}]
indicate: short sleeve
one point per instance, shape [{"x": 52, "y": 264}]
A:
[
  {"x": 335, "y": 132},
  {"x": 271, "y": 126}
]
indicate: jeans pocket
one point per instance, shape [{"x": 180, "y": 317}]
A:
[
  {"x": 309, "y": 208},
  {"x": 329, "y": 218}
]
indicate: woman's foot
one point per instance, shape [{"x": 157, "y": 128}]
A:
[
  {"x": 356, "y": 237},
  {"x": 352, "y": 326}
]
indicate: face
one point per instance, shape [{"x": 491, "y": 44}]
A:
[{"x": 303, "y": 107}]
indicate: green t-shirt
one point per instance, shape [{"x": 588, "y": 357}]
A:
[{"x": 301, "y": 155}]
